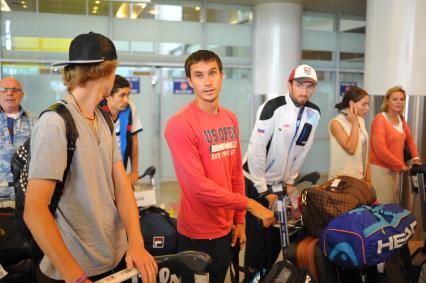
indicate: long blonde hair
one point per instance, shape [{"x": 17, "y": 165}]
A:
[
  {"x": 393, "y": 89},
  {"x": 75, "y": 75}
]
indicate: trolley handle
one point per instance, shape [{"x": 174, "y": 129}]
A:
[{"x": 194, "y": 260}]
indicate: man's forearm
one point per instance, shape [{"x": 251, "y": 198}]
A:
[
  {"x": 46, "y": 233},
  {"x": 126, "y": 203},
  {"x": 134, "y": 158}
]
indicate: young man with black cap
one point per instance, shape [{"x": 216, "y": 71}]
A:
[
  {"x": 96, "y": 226},
  {"x": 203, "y": 138},
  {"x": 281, "y": 138}
]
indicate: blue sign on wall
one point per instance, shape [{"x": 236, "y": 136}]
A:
[
  {"x": 135, "y": 84},
  {"x": 181, "y": 86},
  {"x": 345, "y": 85}
]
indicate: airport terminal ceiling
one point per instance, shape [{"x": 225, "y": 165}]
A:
[{"x": 348, "y": 7}]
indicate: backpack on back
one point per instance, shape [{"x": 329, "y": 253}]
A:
[
  {"x": 20, "y": 168},
  {"x": 20, "y": 161}
]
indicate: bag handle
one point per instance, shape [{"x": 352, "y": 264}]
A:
[
  {"x": 378, "y": 212},
  {"x": 156, "y": 209}
]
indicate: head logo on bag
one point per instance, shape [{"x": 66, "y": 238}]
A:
[
  {"x": 398, "y": 240},
  {"x": 367, "y": 235}
]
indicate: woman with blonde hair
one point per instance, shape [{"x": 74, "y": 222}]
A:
[
  {"x": 389, "y": 134},
  {"x": 349, "y": 137}
]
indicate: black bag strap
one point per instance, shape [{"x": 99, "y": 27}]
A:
[
  {"x": 72, "y": 135},
  {"x": 108, "y": 118}
]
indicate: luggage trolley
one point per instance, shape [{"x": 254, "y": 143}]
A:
[
  {"x": 194, "y": 260},
  {"x": 146, "y": 194},
  {"x": 417, "y": 179},
  {"x": 288, "y": 228}
]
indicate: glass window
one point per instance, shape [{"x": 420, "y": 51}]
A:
[
  {"x": 352, "y": 57},
  {"x": 231, "y": 51},
  {"x": 134, "y": 71},
  {"x": 156, "y": 11},
  {"x": 317, "y": 55},
  {"x": 319, "y": 22},
  {"x": 229, "y": 14},
  {"x": 229, "y": 17},
  {"x": 42, "y": 85},
  {"x": 354, "y": 25},
  {"x": 176, "y": 49},
  {"x": 352, "y": 42},
  {"x": 37, "y": 44},
  {"x": 236, "y": 96},
  {"x": 141, "y": 46},
  {"x": 325, "y": 98},
  {"x": 163, "y": 48}
]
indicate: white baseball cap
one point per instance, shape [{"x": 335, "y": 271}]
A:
[{"x": 303, "y": 72}]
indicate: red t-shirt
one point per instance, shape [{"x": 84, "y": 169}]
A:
[{"x": 207, "y": 159}]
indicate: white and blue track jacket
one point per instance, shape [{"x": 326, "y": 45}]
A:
[{"x": 281, "y": 138}]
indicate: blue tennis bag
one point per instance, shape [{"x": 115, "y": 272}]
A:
[{"x": 367, "y": 235}]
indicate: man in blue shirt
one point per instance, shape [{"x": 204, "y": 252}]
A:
[
  {"x": 126, "y": 122},
  {"x": 15, "y": 129}
]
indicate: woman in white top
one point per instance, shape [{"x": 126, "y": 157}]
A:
[{"x": 349, "y": 137}]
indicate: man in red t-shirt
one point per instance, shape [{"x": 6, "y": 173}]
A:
[{"x": 203, "y": 138}]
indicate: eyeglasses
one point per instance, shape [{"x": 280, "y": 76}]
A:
[{"x": 11, "y": 89}]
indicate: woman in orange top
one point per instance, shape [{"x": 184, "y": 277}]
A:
[{"x": 389, "y": 133}]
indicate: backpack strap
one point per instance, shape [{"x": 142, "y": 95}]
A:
[
  {"x": 108, "y": 118},
  {"x": 72, "y": 135}
]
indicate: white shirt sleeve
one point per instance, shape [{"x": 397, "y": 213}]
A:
[{"x": 136, "y": 121}]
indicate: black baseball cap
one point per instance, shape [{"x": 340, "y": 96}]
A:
[{"x": 90, "y": 48}]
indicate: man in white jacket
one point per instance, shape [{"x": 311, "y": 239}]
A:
[{"x": 280, "y": 140}]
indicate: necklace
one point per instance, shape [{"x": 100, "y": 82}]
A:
[
  {"x": 394, "y": 120},
  {"x": 94, "y": 128},
  {"x": 93, "y": 122},
  {"x": 81, "y": 112}
]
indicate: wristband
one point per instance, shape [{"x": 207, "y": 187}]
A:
[{"x": 82, "y": 278}]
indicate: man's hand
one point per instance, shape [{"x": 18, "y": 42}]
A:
[
  {"x": 261, "y": 212},
  {"x": 239, "y": 232},
  {"x": 133, "y": 177},
  {"x": 145, "y": 263},
  {"x": 405, "y": 168},
  {"x": 272, "y": 199}
]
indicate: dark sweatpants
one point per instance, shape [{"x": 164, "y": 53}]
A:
[
  {"x": 220, "y": 251},
  {"x": 263, "y": 245}
]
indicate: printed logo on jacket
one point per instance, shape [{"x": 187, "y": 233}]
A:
[{"x": 222, "y": 141}]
